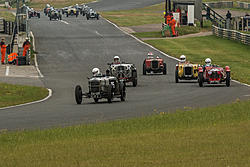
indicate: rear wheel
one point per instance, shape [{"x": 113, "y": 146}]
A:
[
  {"x": 134, "y": 75},
  {"x": 78, "y": 94},
  {"x": 228, "y": 79},
  {"x": 200, "y": 79},
  {"x": 164, "y": 69},
  {"x": 176, "y": 76}
]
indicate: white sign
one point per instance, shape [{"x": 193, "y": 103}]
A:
[
  {"x": 176, "y": 16},
  {"x": 190, "y": 17}
]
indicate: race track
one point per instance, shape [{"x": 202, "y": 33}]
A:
[{"x": 67, "y": 52}]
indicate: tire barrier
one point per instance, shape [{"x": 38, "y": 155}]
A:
[{"x": 231, "y": 34}]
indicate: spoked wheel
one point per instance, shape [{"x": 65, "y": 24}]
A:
[
  {"x": 78, "y": 94},
  {"x": 228, "y": 79}
]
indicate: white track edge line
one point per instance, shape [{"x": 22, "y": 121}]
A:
[
  {"x": 158, "y": 49},
  {"x": 35, "y": 58},
  {"x": 7, "y": 70},
  {"x": 25, "y": 104}
]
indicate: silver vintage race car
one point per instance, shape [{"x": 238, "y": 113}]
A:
[
  {"x": 92, "y": 14},
  {"x": 107, "y": 87},
  {"x": 124, "y": 71}
]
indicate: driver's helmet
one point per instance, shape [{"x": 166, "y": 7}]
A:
[
  {"x": 183, "y": 58},
  {"x": 150, "y": 54},
  {"x": 208, "y": 61},
  {"x": 95, "y": 71},
  {"x": 116, "y": 59},
  {"x": 157, "y": 57},
  {"x": 47, "y": 5}
]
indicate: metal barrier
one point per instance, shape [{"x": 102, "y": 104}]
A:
[{"x": 231, "y": 34}]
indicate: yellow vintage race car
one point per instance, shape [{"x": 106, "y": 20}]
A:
[{"x": 186, "y": 71}]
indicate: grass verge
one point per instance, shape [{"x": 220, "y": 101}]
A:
[
  {"x": 221, "y": 51},
  {"x": 214, "y": 136},
  {"x": 8, "y": 16},
  {"x": 17, "y": 94},
  {"x": 148, "y": 15}
]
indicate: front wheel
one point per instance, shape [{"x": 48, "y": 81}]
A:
[
  {"x": 78, "y": 94},
  {"x": 164, "y": 69},
  {"x": 144, "y": 69},
  {"x": 200, "y": 79},
  {"x": 228, "y": 79},
  {"x": 123, "y": 93},
  {"x": 109, "y": 94},
  {"x": 96, "y": 100},
  {"x": 176, "y": 76}
]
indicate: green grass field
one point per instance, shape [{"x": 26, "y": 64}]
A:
[
  {"x": 148, "y": 15},
  {"x": 221, "y": 51},
  {"x": 17, "y": 94},
  {"x": 214, "y": 136},
  {"x": 8, "y": 16}
]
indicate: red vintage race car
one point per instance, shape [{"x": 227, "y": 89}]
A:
[
  {"x": 213, "y": 74},
  {"x": 155, "y": 65}
]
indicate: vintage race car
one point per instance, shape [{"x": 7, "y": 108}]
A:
[
  {"x": 55, "y": 15},
  {"x": 124, "y": 71},
  {"x": 213, "y": 74},
  {"x": 186, "y": 71},
  {"x": 85, "y": 10},
  {"x": 107, "y": 87},
  {"x": 33, "y": 13},
  {"x": 155, "y": 65},
  {"x": 72, "y": 11},
  {"x": 92, "y": 15}
]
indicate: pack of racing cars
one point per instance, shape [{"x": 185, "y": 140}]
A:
[{"x": 119, "y": 74}]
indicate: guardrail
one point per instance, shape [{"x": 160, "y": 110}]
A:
[
  {"x": 220, "y": 4},
  {"x": 231, "y": 34},
  {"x": 243, "y": 5}
]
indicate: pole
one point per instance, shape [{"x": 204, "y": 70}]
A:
[
  {"x": 17, "y": 12},
  {"x": 166, "y": 6}
]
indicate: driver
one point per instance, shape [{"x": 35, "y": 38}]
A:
[
  {"x": 150, "y": 55},
  {"x": 116, "y": 60},
  {"x": 208, "y": 62},
  {"x": 182, "y": 59},
  {"x": 96, "y": 72}
]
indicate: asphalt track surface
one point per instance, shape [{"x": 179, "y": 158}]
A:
[{"x": 67, "y": 52}]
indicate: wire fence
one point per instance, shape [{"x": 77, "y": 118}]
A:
[{"x": 231, "y": 34}]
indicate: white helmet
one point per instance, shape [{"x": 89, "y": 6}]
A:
[
  {"x": 208, "y": 61},
  {"x": 116, "y": 59},
  {"x": 150, "y": 54},
  {"x": 95, "y": 71},
  {"x": 26, "y": 38},
  {"x": 182, "y": 58}
]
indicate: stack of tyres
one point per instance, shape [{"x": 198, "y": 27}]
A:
[{"x": 20, "y": 60}]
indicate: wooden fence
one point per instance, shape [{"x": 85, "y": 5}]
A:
[{"x": 231, "y": 34}]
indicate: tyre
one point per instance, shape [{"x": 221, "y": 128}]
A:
[
  {"x": 135, "y": 82},
  {"x": 87, "y": 17},
  {"x": 78, "y": 94},
  {"x": 123, "y": 93},
  {"x": 176, "y": 76},
  {"x": 38, "y": 15},
  {"x": 200, "y": 79},
  {"x": 67, "y": 15},
  {"x": 50, "y": 18},
  {"x": 109, "y": 97},
  {"x": 96, "y": 100},
  {"x": 164, "y": 68},
  {"x": 227, "y": 79},
  {"x": 60, "y": 17},
  {"x": 144, "y": 69}
]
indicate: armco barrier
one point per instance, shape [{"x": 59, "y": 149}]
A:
[
  {"x": 231, "y": 34},
  {"x": 243, "y": 5}
]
